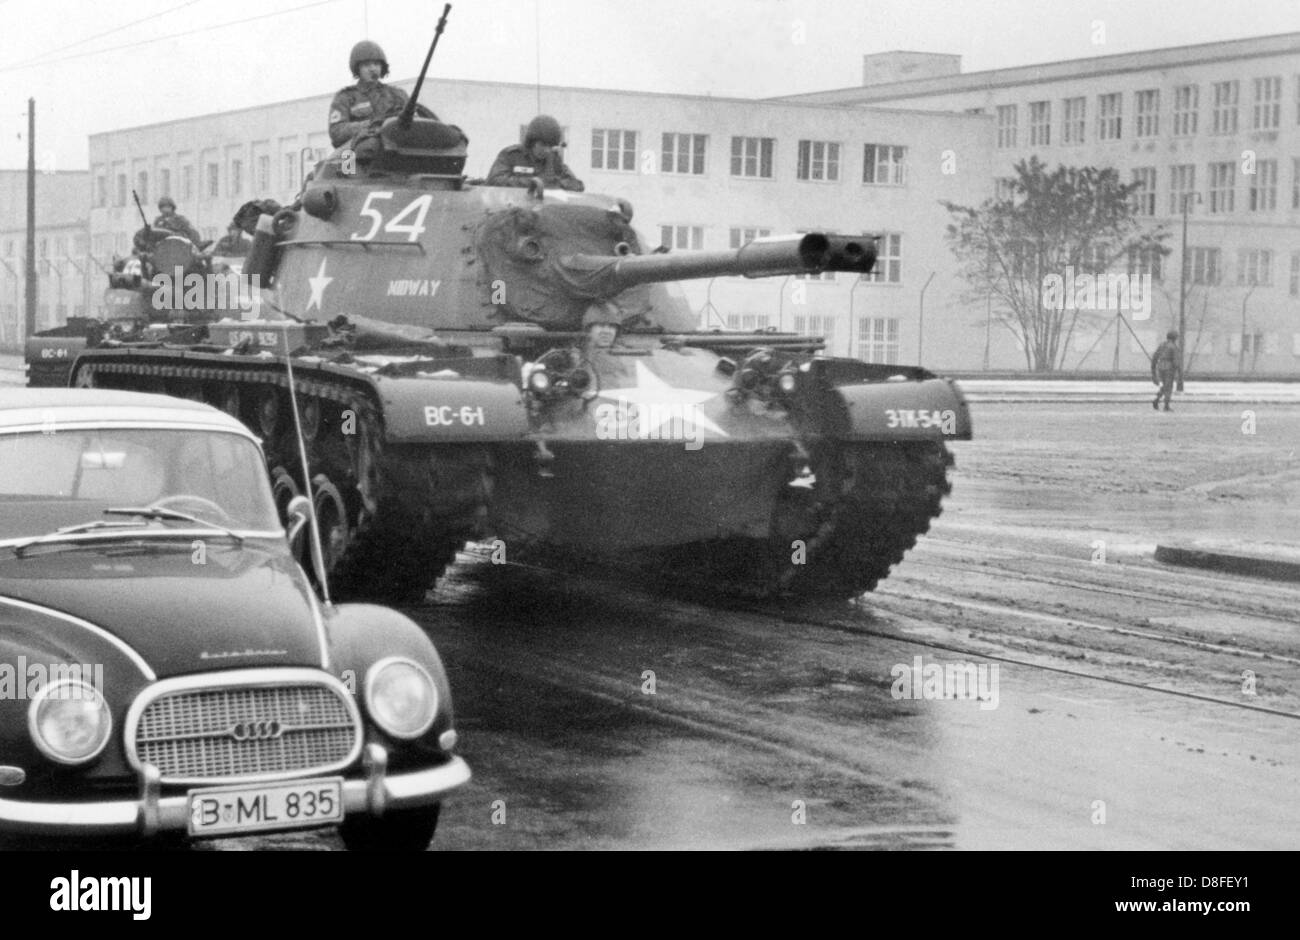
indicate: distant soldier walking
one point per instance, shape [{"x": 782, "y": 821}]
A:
[{"x": 1166, "y": 368}]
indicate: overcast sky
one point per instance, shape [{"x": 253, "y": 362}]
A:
[{"x": 93, "y": 67}]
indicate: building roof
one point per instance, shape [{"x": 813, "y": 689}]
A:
[{"x": 1146, "y": 60}]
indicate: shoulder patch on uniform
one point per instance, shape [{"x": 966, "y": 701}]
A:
[{"x": 336, "y": 116}]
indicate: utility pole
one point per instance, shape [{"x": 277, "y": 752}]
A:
[
  {"x": 1182, "y": 293},
  {"x": 31, "y": 217}
]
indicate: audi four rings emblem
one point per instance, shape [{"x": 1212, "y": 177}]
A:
[{"x": 256, "y": 730}]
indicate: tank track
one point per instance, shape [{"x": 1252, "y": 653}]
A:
[
  {"x": 393, "y": 517},
  {"x": 870, "y": 503}
]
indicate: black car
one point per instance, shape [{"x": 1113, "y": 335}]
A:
[{"x": 165, "y": 664}]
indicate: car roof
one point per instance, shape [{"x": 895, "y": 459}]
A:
[{"x": 25, "y": 407}]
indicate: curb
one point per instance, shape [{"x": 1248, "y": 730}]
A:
[{"x": 1256, "y": 566}]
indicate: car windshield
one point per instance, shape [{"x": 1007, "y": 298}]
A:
[{"x": 69, "y": 477}]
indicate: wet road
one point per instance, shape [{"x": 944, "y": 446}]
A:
[{"x": 1133, "y": 706}]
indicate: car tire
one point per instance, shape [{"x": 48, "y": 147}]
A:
[{"x": 402, "y": 830}]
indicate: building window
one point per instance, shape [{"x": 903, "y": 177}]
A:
[
  {"x": 214, "y": 180},
  {"x": 752, "y": 156},
  {"x": 1146, "y": 261},
  {"x": 819, "y": 160},
  {"x": 613, "y": 149},
  {"x": 1006, "y": 126},
  {"x": 1186, "y": 101},
  {"x": 749, "y": 322},
  {"x": 816, "y": 324},
  {"x": 290, "y": 170},
  {"x": 1206, "y": 265},
  {"x": 1144, "y": 198},
  {"x": 164, "y": 182},
  {"x": 1148, "y": 113},
  {"x": 683, "y": 153},
  {"x": 882, "y": 164},
  {"x": 682, "y": 237},
  {"x": 1076, "y": 114},
  {"x": 187, "y": 182},
  {"x": 142, "y": 185},
  {"x": 236, "y": 177},
  {"x": 1109, "y": 116},
  {"x": 263, "y": 173},
  {"x": 1295, "y": 274},
  {"x": 1040, "y": 123},
  {"x": 101, "y": 190},
  {"x": 1263, "y": 187},
  {"x": 1255, "y": 267},
  {"x": 889, "y": 261},
  {"x": 1182, "y": 182},
  {"x": 878, "y": 340},
  {"x": 1221, "y": 190},
  {"x": 1268, "y": 104},
  {"x": 1225, "y": 107},
  {"x": 1295, "y": 182},
  {"x": 743, "y": 236},
  {"x": 120, "y": 199}
]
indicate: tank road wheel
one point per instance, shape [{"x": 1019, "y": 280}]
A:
[
  {"x": 419, "y": 506},
  {"x": 268, "y": 414},
  {"x": 228, "y": 400},
  {"x": 283, "y": 488},
  {"x": 309, "y": 416},
  {"x": 331, "y": 517},
  {"x": 85, "y": 378},
  {"x": 889, "y": 493}
]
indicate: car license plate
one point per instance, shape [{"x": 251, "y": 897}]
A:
[{"x": 219, "y": 811}]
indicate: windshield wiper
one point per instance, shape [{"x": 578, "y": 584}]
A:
[
  {"x": 58, "y": 534},
  {"x": 156, "y": 512}
]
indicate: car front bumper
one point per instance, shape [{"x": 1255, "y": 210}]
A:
[{"x": 152, "y": 813}]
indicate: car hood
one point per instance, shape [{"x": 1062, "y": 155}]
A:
[{"x": 182, "y": 608}]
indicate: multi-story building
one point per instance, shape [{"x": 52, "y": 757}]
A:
[
  {"x": 701, "y": 173},
  {"x": 64, "y": 269},
  {"x": 1211, "y": 130}
]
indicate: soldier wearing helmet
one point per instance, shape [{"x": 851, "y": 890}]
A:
[
  {"x": 169, "y": 220},
  {"x": 538, "y": 157},
  {"x": 602, "y": 323},
  {"x": 1166, "y": 368},
  {"x": 359, "y": 109}
]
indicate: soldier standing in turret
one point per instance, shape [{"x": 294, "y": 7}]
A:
[
  {"x": 538, "y": 157},
  {"x": 172, "y": 221},
  {"x": 359, "y": 109}
]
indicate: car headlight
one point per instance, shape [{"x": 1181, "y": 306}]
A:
[
  {"x": 401, "y": 697},
  {"x": 69, "y": 721}
]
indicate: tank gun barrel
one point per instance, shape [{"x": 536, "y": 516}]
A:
[
  {"x": 763, "y": 257},
  {"x": 408, "y": 113}
]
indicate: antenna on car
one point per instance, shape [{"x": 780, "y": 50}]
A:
[{"x": 313, "y": 530}]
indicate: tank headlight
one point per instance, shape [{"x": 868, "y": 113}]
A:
[
  {"x": 401, "y": 697},
  {"x": 539, "y": 382},
  {"x": 69, "y": 721},
  {"x": 787, "y": 382}
]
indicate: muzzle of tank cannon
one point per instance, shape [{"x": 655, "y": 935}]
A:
[{"x": 764, "y": 257}]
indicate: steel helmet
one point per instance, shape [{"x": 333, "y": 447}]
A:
[
  {"x": 545, "y": 129},
  {"x": 367, "y": 51},
  {"x": 166, "y": 201},
  {"x": 602, "y": 312}
]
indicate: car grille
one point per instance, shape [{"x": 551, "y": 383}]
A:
[{"x": 196, "y": 734}]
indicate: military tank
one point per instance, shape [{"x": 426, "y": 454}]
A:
[
  {"x": 512, "y": 366},
  {"x": 136, "y": 310}
]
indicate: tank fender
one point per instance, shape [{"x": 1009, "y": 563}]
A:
[
  {"x": 49, "y": 350},
  {"x": 931, "y": 409},
  {"x": 421, "y": 410}
]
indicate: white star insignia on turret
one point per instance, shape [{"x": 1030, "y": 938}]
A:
[
  {"x": 318, "y": 285},
  {"x": 652, "y": 403}
]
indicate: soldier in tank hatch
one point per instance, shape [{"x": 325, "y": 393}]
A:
[
  {"x": 358, "y": 110},
  {"x": 538, "y": 157},
  {"x": 172, "y": 221},
  {"x": 1166, "y": 368}
]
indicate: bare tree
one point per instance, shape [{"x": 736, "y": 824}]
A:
[{"x": 1078, "y": 220}]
